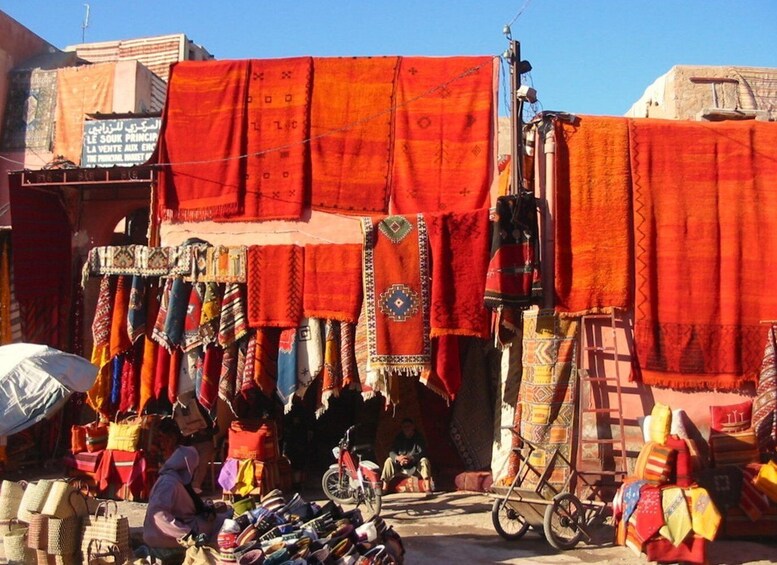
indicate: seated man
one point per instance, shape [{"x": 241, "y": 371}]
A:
[
  {"x": 407, "y": 456},
  {"x": 176, "y": 516}
]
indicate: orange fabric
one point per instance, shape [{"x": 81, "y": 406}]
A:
[
  {"x": 86, "y": 89},
  {"x": 148, "y": 364},
  {"x": 443, "y": 134},
  {"x": 350, "y": 147},
  {"x": 705, "y": 199},
  {"x": 593, "y": 182},
  {"x": 203, "y": 133},
  {"x": 333, "y": 282},
  {"x": 274, "y": 284},
  {"x": 277, "y": 116},
  {"x": 120, "y": 340}
]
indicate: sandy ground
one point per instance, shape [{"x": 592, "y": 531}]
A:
[{"x": 456, "y": 528}]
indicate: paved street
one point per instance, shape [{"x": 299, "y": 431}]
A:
[{"x": 456, "y": 528}]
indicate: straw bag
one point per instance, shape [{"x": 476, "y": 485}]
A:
[
  {"x": 33, "y": 499},
  {"x": 124, "y": 436},
  {"x": 38, "y": 532},
  {"x": 64, "y": 535},
  {"x": 96, "y": 436},
  {"x": 103, "y": 552},
  {"x": 15, "y": 545},
  {"x": 10, "y": 497},
  {"x": 64, "y": 501},
  {"x": 107, "y": 526}
]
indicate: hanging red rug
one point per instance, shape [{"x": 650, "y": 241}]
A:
[{"x": 460, "y": 251}]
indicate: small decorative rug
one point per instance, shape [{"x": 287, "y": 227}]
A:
[
  {"x": 396, "y": 283},
  {"x": 136, "y": 317},
  {"x": 120, "y": 340},
  {"x": 275, "y": 285},
  {"x": 232, "y": 323},
  {"x": 764, "y": 419},
  {"x": 332, "y": 376},
  {"x": 333, "y": 282}
]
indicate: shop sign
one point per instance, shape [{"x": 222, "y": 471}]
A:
[{"x": 123, "y": 142}]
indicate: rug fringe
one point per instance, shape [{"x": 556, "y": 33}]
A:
[{"x": 696, "y": 382}]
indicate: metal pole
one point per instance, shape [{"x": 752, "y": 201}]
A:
[{"x": 516, "y": 123}]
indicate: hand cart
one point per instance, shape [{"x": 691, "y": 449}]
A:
[{"x": 563, "y": 518}]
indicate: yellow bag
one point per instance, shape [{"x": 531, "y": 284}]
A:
[
  {"x": 766, "y": 480},
  {"x": 660, "y": 423},
  {"x": 124, "y": 436}
]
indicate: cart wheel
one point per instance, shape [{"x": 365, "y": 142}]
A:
[
  {"x": 563, "y": 518},
  {"x": 508, "y": 523}
]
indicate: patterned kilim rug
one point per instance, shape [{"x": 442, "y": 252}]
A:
[
  {"x": 547, "y": 393},
  {"x": 396, "y": 293}
]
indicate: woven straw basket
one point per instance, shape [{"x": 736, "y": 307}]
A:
[
  {"x": 64, "y": 535},
  {"x": 34, "y": 499},
  {"x": 15, "y": 545},
  {"x": 11, "y": 494},
  {"x": 38, "y": 532}
]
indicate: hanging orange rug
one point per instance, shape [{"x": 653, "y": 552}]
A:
[
  {"x": 202, "y": 140},
  {"x": 443, "y": 146},
  {"x": 705, "y": 199},
  {"x": 593, "y": 216},
  {"x": 350, "y": 148},
  {"x": 277, "y": 126}
]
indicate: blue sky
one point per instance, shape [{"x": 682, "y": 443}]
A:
[{"x": 589, "y": 56}]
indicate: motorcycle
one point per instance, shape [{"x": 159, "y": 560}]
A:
[{"x": 353, "y": 480}]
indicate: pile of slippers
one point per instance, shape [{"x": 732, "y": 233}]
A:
[{"x": 281, "y": 531}]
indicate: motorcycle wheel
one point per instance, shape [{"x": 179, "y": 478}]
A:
[
  {"x": 373, "y": 500},
  {"x": 336, "y": 486}
]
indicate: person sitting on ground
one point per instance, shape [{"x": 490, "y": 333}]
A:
[
  {"x": 407, "y": 456},
  {"x": 176, "y": 516}
]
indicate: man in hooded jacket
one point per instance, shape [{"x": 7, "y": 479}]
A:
[{"x": 175, "y": 513}]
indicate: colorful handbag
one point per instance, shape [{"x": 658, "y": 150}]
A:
[
  {"x": 96, "y": 436},
  {"x": 77, "y": 439}
]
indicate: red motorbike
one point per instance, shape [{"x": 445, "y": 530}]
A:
[{"x": 353, "y": 480}]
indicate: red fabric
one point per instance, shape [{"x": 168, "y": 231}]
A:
[
  {"x": 274, "y": 282},
  {"x": 692, "y": 549},
  {"x": 277, "y": 127},
  {"x": 130, "y": 374},
  {"x": 266, "y": 360},
  {"x": 333, "y": 282},
  {"x": 211, "y": 372},
  {"x": 683, "y": 476},
  {"x": 41, "y": 245},
  {"x": 649, "y": 515},
  {"x": 120, "y": 340},
  {"x": 148, "y": 366},
  {"x": 176, "y": 358},
  {"x": 350, "y": 147},
  {"x": 203, "y": 135},
  {"x": 444, "y": 377},
  {"x": 443, "y": 134},
  {"x": 705, "y": 199},
  {"x": 731, "y": 418},
  {"x": 161, "y": 371},
  {"x": 123, "y": 469},
  {"x": 459, "y": 242},
  {"x": 252, "y": 439}
]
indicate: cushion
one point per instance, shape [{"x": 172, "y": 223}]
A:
[
  {"x": 124, "y": 436},
  {"x": 766, "y": 480},
  {"x": 731, "y": 418},
  {"x": 655, "y": 463},
  {"x": 735, "y": 448},
  {"x": 660, "y": 423},
  {"x": 683, "y": 466},
  {"x": 677, "y": 427},
  {"x": 724, "y": 485}
]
